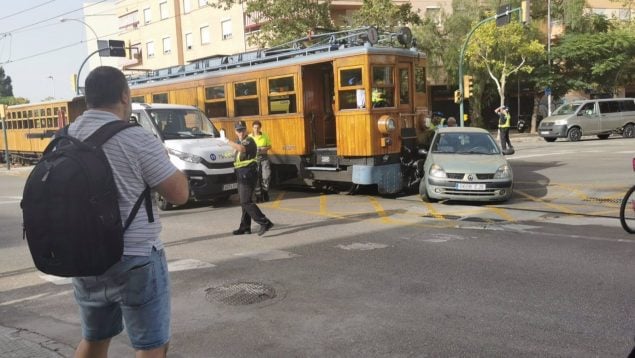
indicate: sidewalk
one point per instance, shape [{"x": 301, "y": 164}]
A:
[{"x": 17, "y": 343}]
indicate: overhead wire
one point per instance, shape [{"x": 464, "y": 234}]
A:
[{"x": 25, "y": 10}]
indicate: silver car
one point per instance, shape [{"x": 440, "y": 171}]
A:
[{"x": 465, "y": 164}]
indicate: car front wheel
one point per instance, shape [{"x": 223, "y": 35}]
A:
[{"x": 574, "y": 134}]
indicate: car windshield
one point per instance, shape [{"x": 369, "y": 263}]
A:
[
  {"x": 567, "y": 108},
  {"x": 182, "y": 123},
  {"x": 464, "y": 143}
]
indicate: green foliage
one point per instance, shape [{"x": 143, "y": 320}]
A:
[
  {"x": 10, "y": 101},
  {"x": 600, "y": 60},
  {"x": 384, "y": 14},
  {"x": 6, "y": 89}
]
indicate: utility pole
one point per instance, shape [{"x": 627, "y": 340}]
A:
[{"x": 3, "y": 115}]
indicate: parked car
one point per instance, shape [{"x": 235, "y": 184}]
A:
[
  {"x": 600, "y": 117},
  {"x": 465, "y": 164}
]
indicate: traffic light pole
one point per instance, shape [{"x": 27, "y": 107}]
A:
[
  {"x": 467, "y": 40},
  {"x": 82, "y": 66}
]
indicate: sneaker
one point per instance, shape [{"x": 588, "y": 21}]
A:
[
  {"x": 241, "y": 232},
  {"x": 265, "y": 228}
]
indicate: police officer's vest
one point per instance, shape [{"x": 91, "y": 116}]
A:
[{"x": 248, "y": 157}]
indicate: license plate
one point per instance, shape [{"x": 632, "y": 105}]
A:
[
  {"x": 231, "y": 186},
  {"x": 544, "y": 132},
  {"x": 470, "y": 186}
]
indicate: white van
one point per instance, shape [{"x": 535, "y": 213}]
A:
[
  {"x": 600, "y": 117},
  {"x": 194, "y": 146}
]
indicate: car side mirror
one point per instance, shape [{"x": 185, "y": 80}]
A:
[{"x": 133, "y": 119}]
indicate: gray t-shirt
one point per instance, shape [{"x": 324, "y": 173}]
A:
[{"x": 136, "y": 158}]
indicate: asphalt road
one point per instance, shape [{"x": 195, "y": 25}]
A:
[{"x": 549, "y": 274}]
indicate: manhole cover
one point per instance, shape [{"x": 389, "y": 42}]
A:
[{"x": 240, "y": 293}]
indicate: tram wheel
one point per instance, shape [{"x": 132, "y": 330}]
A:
[{"x": 345, "y": 188}]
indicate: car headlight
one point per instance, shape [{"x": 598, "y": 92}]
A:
[
  {"x": 503, "y": 172},
  {"x": 437, "y": 172},
  {"x": 186, "y": 157},
  {"x": 560, "y": 122}
]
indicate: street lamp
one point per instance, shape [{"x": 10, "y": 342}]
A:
[
  {"x": 91, "y": 29},
  {"x": 53, "y": 83}
]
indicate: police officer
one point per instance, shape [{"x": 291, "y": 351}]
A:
[
  {"x": 504, "y": 122},
  {"x": 247, "y": 175}
]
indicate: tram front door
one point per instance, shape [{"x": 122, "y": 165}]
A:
[{"x": 319, "y": 117}]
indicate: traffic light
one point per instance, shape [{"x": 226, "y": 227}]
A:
[
  {"x": 525, "y": 11},
  {"x": 503, "y": 15},
  {"x": 468, "y": 86},
  {"x": 117, "y": 48},
  {"x": 457, "y": 96}
]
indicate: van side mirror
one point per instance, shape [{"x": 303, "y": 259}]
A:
[{"x": 133, "y": 119}]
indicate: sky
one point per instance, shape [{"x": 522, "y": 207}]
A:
[{"x": 39, "y": 52}]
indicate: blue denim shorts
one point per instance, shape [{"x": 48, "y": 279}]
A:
[{"x": 134, "y": 292}]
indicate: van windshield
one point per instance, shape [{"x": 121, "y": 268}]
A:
[
  {"x": 177, "y": 123},
  {"x": 568, "y": 108}
]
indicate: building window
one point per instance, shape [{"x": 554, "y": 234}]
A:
[
  {"x": 227, "y": 29},
  {"x": 147, "y": 16},
  {"x": 204, "y": 35},
  {"x": 187, "y": 7},
  {"x": 202, "y": 3},
  {"x": 129, "y": 20},
  {"x": 163, "y": 10},
  {"x": 167, "y": 45},
  {"x": 189, "y": 41},
  {"x": 434, "y": 14},
  {"x": 150, "y": 49}
]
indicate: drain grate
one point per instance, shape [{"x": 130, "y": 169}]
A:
[{"x": 240, "y": 293}]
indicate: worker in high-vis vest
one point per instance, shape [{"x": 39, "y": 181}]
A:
[
  {"x": 504, "y": 123},
  {"x": 247, "y": 176}
]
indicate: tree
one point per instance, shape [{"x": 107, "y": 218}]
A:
[
  {"x": 6, "y": 89},
  {"x": 283, "y": 20},
  {"x": 10, "y": 101},
  {"x": 384, "y": 14},
  {"x": 503, "y": 51}
]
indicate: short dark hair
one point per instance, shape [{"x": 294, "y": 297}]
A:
[
  {"x": 257, "y": 123},
  {"x": 104, "y": 87}
]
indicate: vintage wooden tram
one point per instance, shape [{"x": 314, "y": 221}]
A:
[
  {"x": 29, "y": 127},
  {"x": 340, "y": 108}
]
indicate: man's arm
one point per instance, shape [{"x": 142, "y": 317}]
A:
[{"x": 174, "y": 188}]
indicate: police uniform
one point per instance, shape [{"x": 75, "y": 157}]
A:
[
  {"x": 247, "y": 176},
  {"x": 504, "y": 123}
]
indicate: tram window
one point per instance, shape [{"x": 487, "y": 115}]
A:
[
  {"x": 19, "y": 115},
  {"x": 138, "y": 99},
  {"x": 30, "y": 113},
  {"x": 24, "y": 114},
  {"x": 43, "y": 122},
  {"x": 55, "y": 123},
  {"x": 282, "y": 95},
  {"x": 19, "y": 124},
  {"x": 216, "y": 109},
  {"x": 246, "y": 102},
  {"x": 10, "y": 125},
  {"x": 49, "y": 122},
  {"x": 243, "y": 89},
  {"x": 215, "y": 92},
  {"x": 30, "y": 122},
  {"x": 48, "y": 111},
  {"x": 55, "y": 110},
  {"x": 246, "y": 107},
  {"x": 37, "y": 123},
  {"x": 160, "y": 98},
  {"x": 420, "y": 79},
  {"x": 42, "y": 112},
  {"x": 383, "y": 93},
  {"x": 404, "y": 86},
  {"x": 351, "y": 77}
]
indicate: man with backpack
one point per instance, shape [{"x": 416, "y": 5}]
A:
[{"x": 135, "y": 290}]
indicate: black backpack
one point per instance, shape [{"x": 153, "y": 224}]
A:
[{"x": 70, "y": 210}]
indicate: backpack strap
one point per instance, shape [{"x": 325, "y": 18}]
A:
[{"x": 98, "y": 138}]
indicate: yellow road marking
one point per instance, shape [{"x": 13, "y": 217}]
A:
[
  {"x": 276, "y": 203},
  {"x": 502, "y": 213},
  {"x": 554, "y": 206},
  {"x": 433, "y": 212},
  {"x": 379, "y": 209}
]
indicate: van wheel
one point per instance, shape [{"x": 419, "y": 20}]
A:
[
  {"x": 603, "y": 136},
  {"x": 163, "y": 204},
  {"x": 574, "y": 134},
  {"x": 550, "y": 140},
  {"x": 629, "y": 131}
]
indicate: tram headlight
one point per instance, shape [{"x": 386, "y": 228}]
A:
[{"x": 386, "y": 124}]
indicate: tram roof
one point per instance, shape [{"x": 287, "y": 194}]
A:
[{"x": 292, "y": 55}]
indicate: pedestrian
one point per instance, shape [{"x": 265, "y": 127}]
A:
[
  {"x": 451, "y": 122},
  {"x": 264, "y": 165},
  {"x": 504, "y": 122},
  {"x": 247, "y": 175},
  {"x": 135, "y": 292}
]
